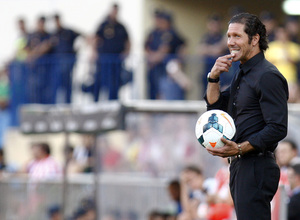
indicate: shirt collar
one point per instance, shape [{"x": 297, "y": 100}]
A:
[{"x": 246, "y": 67}]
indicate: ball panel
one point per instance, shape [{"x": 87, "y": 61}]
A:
[{"x": 201, "y": 140}]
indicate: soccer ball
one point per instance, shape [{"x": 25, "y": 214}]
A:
[{"x": 211, "y": 126}]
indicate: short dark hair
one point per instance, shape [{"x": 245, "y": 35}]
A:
[
  {"x": 296, "y": 168},
  {"x": 115, "y": 6},
  {"x": 42, "y": 18},
  {"x": 56, "y": 16},
  {"x": 215, "y": 17},
  {"x": 174, "y": 183},
  {"x": 252, "y": 27},
  {"x": 43, "y": 146},
  {"x": 291, "y": 143},
  {"x": 193, "y": 168}
]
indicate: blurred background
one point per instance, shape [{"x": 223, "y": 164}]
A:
[{"x": 99, "y": 100}]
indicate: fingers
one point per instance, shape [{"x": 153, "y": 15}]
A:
[
  {"x": 214, "y": 152},
  {"x": 227, "y": 150},
  {"x": 222, "y": 64},
  {"x": 225, "y": 141}
]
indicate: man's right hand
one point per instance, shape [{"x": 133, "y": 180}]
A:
[{"x": 221, "y": 65}]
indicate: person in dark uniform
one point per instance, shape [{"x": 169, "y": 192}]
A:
[
  {"x": 292, "y": 27},
  {"x": 294, "y": 180},
  {"x": 269, "y": 20},
  {"x": 18, "y": 73},
  {"x": 64, "y": 58},
  {"x": 162, "y": 45},
  {"x": 257, "y": 101},
  {"x": 39, "y": 62},
  {"x": 212, "y": 46},
  {"x": 112, "y": 45}
]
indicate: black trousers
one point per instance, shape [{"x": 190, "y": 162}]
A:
[{"x": 253, "y": 183}]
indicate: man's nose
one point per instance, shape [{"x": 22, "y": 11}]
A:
[{"x": 230, "y": 41}]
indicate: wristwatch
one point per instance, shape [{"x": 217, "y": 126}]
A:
[{"x": 212, "y": 80}]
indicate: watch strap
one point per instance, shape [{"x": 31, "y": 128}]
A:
[{"x": 212, "y": 80}]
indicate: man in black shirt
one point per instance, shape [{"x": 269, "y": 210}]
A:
[
  {"x": 257, "y": 100},
  {"x": 113, "y": 46}
]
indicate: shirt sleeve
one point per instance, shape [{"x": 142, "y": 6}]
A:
[
  {"x": 273, "y": 96},
  {"x": 221, "y": 103}
]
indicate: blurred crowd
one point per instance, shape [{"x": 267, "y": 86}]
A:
[
  {"x": 200, "y": 198},
  {"x": 193, "y": 195}
]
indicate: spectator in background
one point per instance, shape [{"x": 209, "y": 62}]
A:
[
  {"x": 163, "y": 44},
  {"x": 269, "y": 20},
  {"x": 174, "y": 83},
  {"x": 285, "y": 55},
  {"x": 21, "y": 42},
  {"x": 174, "y": 192},
  {"x": 193, "y": 194},
  {"x": 62, "y": 41},
  {"x": 220, "y": 200},
  {"x": 54, "y": 213},
  {"x": 213, "y": 45},
  {"x": 86, "y": 210},
  {"x": 18, "y": 72},
  {"x": 2, "y": 161},
  {"x": 73, "y": 166},
  {"x": 39, "y": 81},
  {"x": 112, "y": 45},
  {"x": 286, "y": 152},
  {"x": 292, "y": 27},
  {"x": 4, "y": 167},
  {"x": 84, "y": 153},
  {"x": 4, "y": 105},
  {"x": 294, "y": 180},
  {"x": 42, "y": 166}
]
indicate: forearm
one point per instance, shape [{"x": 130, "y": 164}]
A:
[
  {"x": 244, "y": 148},
  {"x": 268, "y": 137},
  {"x": 184, "y": 197},
  {"x": 213, "y": 92}
]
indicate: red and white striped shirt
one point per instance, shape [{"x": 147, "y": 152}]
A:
[{"x": 46, "y": 168}]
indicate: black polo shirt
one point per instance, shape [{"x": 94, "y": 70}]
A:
[{"x": 259, "y": 104}]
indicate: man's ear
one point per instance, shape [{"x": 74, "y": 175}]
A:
[{"x": 255, "y": 40}]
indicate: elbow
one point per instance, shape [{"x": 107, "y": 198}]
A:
[{"x": 282, "y": 132}]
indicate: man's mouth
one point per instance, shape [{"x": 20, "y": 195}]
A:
[{"x": 234, "y": 51}]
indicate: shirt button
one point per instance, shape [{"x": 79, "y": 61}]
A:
[
  {"x": 233, "y": 103},
  {"x": 238, "y": 87}
]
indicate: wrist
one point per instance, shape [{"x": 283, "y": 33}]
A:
[
  {"x": 213, "y": 79},
  {"x": 213, "y": 76},
  {"x": 240, "y": 150}
]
